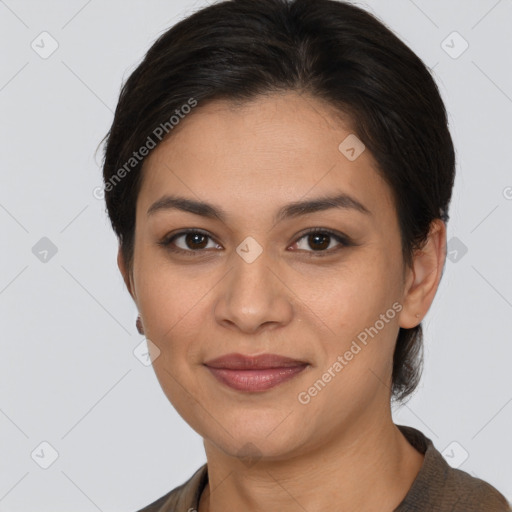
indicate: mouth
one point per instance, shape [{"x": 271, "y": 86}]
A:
[{"x": 254, "y": 373}]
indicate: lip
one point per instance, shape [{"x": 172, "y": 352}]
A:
[
  {"x": 254, "y": 373},
  {"x": 261, "y": 362}
]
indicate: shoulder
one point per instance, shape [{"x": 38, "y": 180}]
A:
[
  {"x": 184, "y": 497},
  {"x": 473, "y": 494},
  {"x": 442, "y": 488}
]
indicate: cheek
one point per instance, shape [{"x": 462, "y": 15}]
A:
[
  {"x": 351, "y": 298},
  {"x": 172, "y": 307},
  {"x": 360, "y": 308},
  {"x": 164, "y": 292}
]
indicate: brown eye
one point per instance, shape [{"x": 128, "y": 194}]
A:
[
  {"x": 315, "y": 241},
  {"x": 195, "y": 240},
  {"x": 321, "y": 241},
  {"x": 190, "y": 241}
]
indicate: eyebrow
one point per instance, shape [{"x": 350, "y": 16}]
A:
[{"x": 341, "y": 201}]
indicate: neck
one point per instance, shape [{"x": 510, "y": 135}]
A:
[{"x": 365, "y": 468}]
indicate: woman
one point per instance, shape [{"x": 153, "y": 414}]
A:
[{"x": 278, "y": 174}]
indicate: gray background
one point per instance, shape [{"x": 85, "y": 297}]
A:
[{"x": 68, "y": 373}]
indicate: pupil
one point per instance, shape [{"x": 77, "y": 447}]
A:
[
  {"x": 191, "y": 239},
  {"x": 313, "y": 240}
]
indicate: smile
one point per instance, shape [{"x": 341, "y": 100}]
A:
[{"x": 254, "y": 373}]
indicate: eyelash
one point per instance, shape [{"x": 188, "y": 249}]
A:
[{"x": 166, "y": 242}]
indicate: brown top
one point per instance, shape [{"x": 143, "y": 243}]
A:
[{"x": 437, "y": 488}]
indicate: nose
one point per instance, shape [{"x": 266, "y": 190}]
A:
[{"x": 253, "y": 297}]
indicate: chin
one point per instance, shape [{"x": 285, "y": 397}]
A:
[
  {"x": 251, "y": 449},
  {"x": 256, "y": 438}
]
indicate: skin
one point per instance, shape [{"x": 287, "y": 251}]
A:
[{"x": 266, "y": 451}]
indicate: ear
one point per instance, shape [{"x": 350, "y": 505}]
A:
[
  {"x": 125, "y": 273},
  {"x": 423, "y": 278}
]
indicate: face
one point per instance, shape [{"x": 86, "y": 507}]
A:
[{"x": 323, "y": 285}]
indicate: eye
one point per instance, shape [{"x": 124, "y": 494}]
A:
[
  {"x": 322, "y": 241},
  {"x": 191, "y": 241}
]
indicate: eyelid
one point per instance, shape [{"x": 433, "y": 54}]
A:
[
  {"x": 167, "y": 241},
  {"x": 342, "y": 239},
  {"x": 338, "y": 235}
]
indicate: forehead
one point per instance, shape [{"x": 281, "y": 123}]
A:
[{"x": 268, "y": 151}]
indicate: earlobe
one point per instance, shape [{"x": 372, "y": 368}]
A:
[{"x": 424, "y": 276}]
